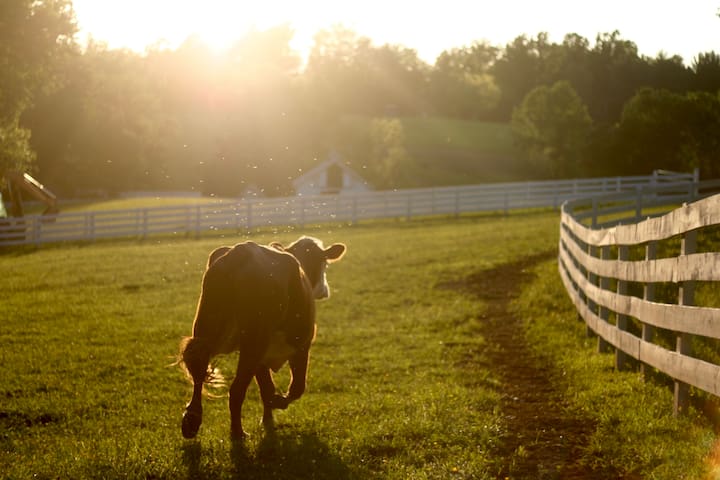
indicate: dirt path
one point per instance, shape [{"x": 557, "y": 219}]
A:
[{"x": 541, "y": 440}]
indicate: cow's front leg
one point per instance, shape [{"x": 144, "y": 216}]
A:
[
  {"x": 195, "y": 356},
  {"x": 238, "y": 388},
  {"x": 192, "y": 418}
]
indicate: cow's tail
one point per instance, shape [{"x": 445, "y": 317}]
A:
[{"x": 194, "y": 358}]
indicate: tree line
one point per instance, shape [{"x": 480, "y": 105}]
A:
[{"x": 94, "y": 120}]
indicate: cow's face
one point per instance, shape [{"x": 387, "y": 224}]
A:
[{"x": 314, "y": 259}]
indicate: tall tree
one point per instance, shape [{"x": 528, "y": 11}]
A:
[
  {"x": 706, "y": 67},
  {"x": 662, "y": 129},
  {"x": 617, "y": 70},
  {"x": 520, "y": 68},
  {"x": 347, "y": 73},
  {"x": 33, "y": 37},
  {"x": 552, "y": 126},
  {"x": 389, "y": 157},
  {"x": 461, "y": 85}
]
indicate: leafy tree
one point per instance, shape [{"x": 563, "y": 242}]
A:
[
  {"x": 346, "y": 73},
  {"x": 389, "y": 156},
  {"x": 552, "y": 126},
  {"x": 662, "y": 129},
  {"x": 669, "y": 73},
  {"x": 617, "y": 70},
  {"x": 706, "y": 67},
  {"x": 103, "y": 130},
  {"x": 520, "y": 68},
  {"x": 461, "y": 85},
  {"x": 33, "y": 37}
]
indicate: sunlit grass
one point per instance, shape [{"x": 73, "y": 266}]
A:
[
  {"x": 89, "y": 333},
  {"x": 634, "y": 419}
]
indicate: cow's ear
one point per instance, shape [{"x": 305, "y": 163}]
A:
[
  {"x": 277, "y": 246},
  {"x": 215, "y": 254},
  {"x": 335, "y": 252}
]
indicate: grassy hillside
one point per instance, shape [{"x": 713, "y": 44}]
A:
[
  {"x": 409, "y": 377},
  {"x": 444, "y": 151},
  {"x": 461, "y": 152}
]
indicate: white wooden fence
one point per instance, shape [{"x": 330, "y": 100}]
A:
[
  {"x": 245, "y": 215},
  {"x": 599, "y": 263}
]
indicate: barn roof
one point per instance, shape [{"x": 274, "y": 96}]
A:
[{"x": 333, "y": 159}]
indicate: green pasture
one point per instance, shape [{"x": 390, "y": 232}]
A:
[{"x": 400, "y": 385}]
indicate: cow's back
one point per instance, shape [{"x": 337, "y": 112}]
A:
[{"x": 250, "y": 295}]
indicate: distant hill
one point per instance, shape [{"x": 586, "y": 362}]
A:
[{"x": 447, "y": 151}]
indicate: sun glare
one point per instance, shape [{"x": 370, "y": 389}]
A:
[
  {"x": 428, "y": 27},
  {"x": 137, "y": 24}
]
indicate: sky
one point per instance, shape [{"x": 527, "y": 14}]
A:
[{"x": 674, "y": 27}]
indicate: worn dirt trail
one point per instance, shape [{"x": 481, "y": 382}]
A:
[{"x": 540, "y": 440}]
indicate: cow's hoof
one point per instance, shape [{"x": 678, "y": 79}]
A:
[
  {"x": 191, "y": 423},
  {"x": 268, "y": 423},
  {"x": 279, "y": 402}
]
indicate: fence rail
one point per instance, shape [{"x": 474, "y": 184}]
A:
[
  {"x": 299, "y": 211},
  {"x": 612, "y": 274}
]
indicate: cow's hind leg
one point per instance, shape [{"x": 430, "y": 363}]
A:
[
  {"x": 244, "y": 375},
  {"x": 264, "y": 379}
]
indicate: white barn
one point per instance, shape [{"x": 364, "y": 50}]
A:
[{"x": 330, "y": 177}]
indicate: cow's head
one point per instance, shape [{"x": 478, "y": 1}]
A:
[{"x": 314, "y": 259}]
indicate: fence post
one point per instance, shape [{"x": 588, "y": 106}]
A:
[
  {"x": 409, "y": 206},
  {"x": 144, "y": 223},
  {"x": 457, "y": 203},
  {"x": 594, "y": 212},
  {"x": 198, "y": 214},
  {"x": 695, "y": 180},
  {"x": 90, "y": 226},
  {"x": 188, "y": 220},
  {"x": 648, "y": 332},
  {"x": 638, "y": 202},
  {"x": 36, "y": 230},
  {"x": 621, "y": 320},
  {"x": 248, "y": 220},
  {"x": 593, "y": 279},
  {"x": 302, "y": 212},
  {"x": 602, "y": 345},
  {"x": 686, "y": 296}
]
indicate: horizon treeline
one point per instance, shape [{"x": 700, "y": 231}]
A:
[{"x": 100, "y": 121}]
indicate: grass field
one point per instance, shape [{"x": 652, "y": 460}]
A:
[{"x": 406, "y": 378}]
